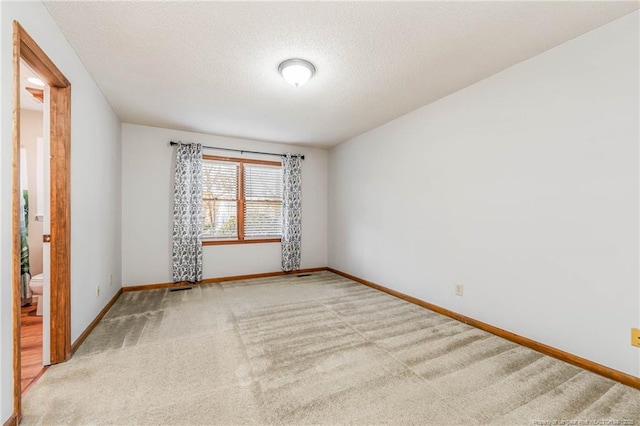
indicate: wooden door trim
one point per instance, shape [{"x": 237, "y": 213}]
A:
[
  {"x": 60, "y": 257},
  {"x": 33, "y": 55},
  {"x": 15, "y": 205},
  {"x": 25, "y": 48}
]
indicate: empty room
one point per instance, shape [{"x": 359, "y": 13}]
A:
[{"x": 314, "y": 212}]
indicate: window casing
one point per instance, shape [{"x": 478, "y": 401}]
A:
[{"x": 242, "y": 200}]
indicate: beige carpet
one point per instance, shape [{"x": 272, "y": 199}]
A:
[{"x": 316, "y": 349}]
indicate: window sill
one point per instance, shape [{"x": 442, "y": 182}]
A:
[{"x": 253, "y": 241}]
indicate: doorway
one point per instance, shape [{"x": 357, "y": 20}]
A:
[
  {"x": 57, "y": 113},
  {"x": 34, "y": 181}
]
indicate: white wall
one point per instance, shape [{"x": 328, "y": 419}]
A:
[
  {"x": 522, "y": 187},
  {"x": 95, "y": 183},
  {"x": 147, "y": 187}
]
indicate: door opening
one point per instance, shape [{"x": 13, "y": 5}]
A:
[
  {"x": 34, "y": 265},
  {"x": 58, "y": 130}
]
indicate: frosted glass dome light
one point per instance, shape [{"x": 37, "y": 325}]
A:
[
  {"x": 36, "y": 81},
  {"x": 296, "y": 71}
]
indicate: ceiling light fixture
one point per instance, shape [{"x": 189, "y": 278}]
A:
[
  {"x": 36, "y": 81},
  {"x": 296, "y": 71}
]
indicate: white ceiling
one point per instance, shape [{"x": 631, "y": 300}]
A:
[{"x": 211, "y": 67}]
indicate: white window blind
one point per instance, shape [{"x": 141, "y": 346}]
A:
[
  {"x": 220, "y": 199},
  {"x": 263, "y": 201}
]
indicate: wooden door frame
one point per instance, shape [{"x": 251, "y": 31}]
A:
[{"x": 25, "y": 48}]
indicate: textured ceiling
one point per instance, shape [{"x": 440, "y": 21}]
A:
[{"x": 212, "y": 67}]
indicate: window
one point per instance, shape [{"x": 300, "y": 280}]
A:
[{"x": 242, "y": 200}]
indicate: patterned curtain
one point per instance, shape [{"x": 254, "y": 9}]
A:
[
  {"x": 187, "y": 214},
  {"x": 291, "y": 212}
]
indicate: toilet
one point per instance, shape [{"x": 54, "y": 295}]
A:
[{"x": 36, "y": 287}]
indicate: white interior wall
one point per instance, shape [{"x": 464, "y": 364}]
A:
[
  {"x": 147, "y": 169},
  {"x": 522, "y": 187},
  {"x": 95, "y": 183}
]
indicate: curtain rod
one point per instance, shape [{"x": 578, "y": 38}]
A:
[{"x": 242, "y": 151}]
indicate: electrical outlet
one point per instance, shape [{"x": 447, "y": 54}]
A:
[
  {"x": 635, "y": 337},
  {"x": 459, "y": 289},
  {"x": 98, "y": 290},
  {"x": 110, "y": 280}
]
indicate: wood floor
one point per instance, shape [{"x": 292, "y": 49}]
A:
[{"x": 30, "y": 346}]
